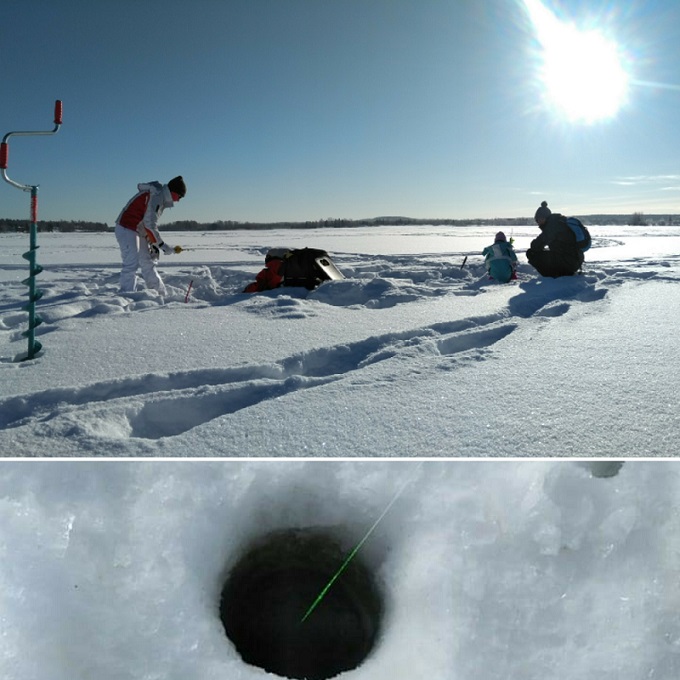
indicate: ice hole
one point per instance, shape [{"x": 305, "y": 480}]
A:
[
  {"x": 272, "y": 586},
  {"x": 605, "y": 468}
]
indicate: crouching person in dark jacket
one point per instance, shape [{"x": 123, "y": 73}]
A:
[{"x": 554, "y": 251}]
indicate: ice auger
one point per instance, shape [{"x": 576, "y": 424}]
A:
[{"x": 34, "y": 293}]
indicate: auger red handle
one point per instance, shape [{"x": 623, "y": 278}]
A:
[
  {"x": 58, "y": 111},
  {"x": 4, "y": 153}
]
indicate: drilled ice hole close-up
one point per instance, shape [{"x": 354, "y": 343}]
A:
[
  {"x": 294, "y": 605},
  {"x": 603, "y": 468}
]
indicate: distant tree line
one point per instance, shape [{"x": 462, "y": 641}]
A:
[
  {"x": 70, "y": 226},
  {"x": 64, "y": 226}
]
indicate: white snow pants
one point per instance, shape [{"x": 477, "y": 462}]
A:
[{"x": 135, "y": 254}]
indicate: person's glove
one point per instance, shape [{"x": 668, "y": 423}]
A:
[{"x": 168, "y": 250}]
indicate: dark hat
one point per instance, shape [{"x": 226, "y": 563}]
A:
[
  {"x": 543, "y": 213},
  {"x": 177, "y": 186},
  {"x": 500, "y": 236}
]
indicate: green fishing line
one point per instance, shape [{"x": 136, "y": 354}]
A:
[{"x": 353, "y": 553}]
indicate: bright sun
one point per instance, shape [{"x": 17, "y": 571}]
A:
[{"x": 582, "y": 70}]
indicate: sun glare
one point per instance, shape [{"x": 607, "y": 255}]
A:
[{"x": 582, "y": 73}]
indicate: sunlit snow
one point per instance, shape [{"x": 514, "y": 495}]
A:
[{"x": 409, "y": 355}]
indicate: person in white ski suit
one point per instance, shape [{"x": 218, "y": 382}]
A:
[
  {"x": 500, "y": 259},
  {"x": 137, "y": 233}
]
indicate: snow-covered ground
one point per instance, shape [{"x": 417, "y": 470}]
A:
[
  {"x": 410, "y": 355},
  {"x": 487, "y": 569}
]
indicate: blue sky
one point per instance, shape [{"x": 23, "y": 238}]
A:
[{"x": 308, "y": 109}]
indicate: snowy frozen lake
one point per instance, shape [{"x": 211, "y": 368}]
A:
[
  {"x": 410, "y": 355},
  {"x": 485, "y": 569}
]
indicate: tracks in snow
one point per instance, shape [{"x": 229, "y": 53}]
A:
[{"x": 157, "y": 406}]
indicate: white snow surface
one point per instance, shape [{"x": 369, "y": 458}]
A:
[
  {"x": 410, "y": 355},
  {"x": 489, "y": 570}
]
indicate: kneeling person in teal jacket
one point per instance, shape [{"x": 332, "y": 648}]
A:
[{"x": 500, "y": 259}]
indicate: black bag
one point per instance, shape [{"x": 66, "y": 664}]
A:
[{"x": 299, "y": 268}]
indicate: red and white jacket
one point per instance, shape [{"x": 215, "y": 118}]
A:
[{"x": 143, "y": 210}]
